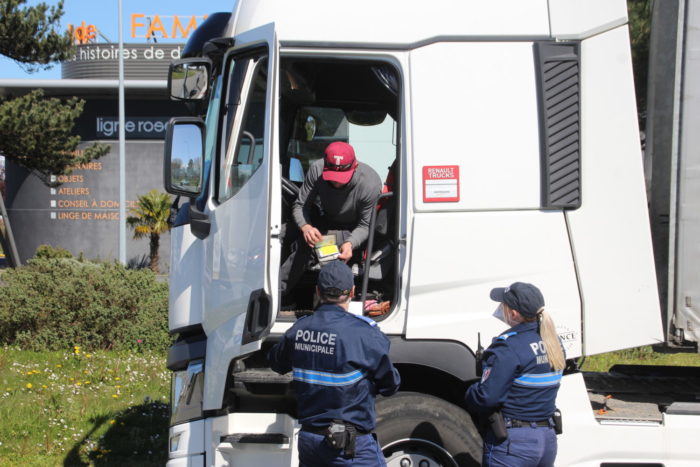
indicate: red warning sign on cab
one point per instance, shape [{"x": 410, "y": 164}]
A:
[{"x": 440, "y": 183}]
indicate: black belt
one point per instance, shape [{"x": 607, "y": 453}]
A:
[
  {"x": 324, "y": 430},
  {"x": 522, "y": 423}
]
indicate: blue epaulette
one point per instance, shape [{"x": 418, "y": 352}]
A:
[
  {"x": 367, "y": 320},
  {"x": 506, "y": 335}
]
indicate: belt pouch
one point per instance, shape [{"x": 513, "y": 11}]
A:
[
  {"x": 498, "y": 426},
  {"x": 349, "y": 452},
  {"x": 558, "y": 424},
  {"x": 336, "y": 435}
]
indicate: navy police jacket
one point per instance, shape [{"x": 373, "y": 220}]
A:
[
  {"x": 339, "y": 362},
  {"x": 516, "y": 377}
]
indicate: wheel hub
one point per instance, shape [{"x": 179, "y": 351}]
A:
[{"x": 417, "y": 453}]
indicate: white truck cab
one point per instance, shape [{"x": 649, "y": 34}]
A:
[{"x": 506, "y": 132}]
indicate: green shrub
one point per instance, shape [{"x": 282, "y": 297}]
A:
[
  {"x": 48, "y": 251},
  {"x": 57, "y": 303}
]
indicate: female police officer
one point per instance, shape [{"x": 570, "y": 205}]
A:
[{"x": 522, "y": 369}]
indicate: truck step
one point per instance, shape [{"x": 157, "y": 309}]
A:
[
  {"x": 261, "y": 375},
  {"x": 636, "y": 394},
  {"x": 256, "y": 438},
  {"x": 232, "y": 446},
  {"x": 293, "y": 314},
  {"x": 684, "y": 408},
  {"x": 628, "y": 379}
]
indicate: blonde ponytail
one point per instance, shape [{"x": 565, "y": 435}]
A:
[{"x": 550, "y": 339}]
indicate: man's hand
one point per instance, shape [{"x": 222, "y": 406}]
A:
[
  {"x": 345, "y": 251},
  {"x": 311, "y": 235}
]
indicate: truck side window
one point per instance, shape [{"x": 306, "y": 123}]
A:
[{"x": 244, "y": 123}]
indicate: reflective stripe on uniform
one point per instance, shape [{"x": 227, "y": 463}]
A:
[
  {"x": 326, "y": 379},
  {"x": 539, "y": 379},
  {"x": 506, "y": 335},
  {"x": 367, "y": 320}
]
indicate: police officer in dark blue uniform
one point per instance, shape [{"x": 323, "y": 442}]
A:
[
  {"x": 339, "y": 362},
  {"x": 522, "y": 370}
]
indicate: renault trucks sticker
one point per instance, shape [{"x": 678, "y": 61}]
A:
[{"x": 441, "y": 184}]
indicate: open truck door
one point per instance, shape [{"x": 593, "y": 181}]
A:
[
  {"x": 242, "y": 251},
  {"x": 238, "y": 224}
]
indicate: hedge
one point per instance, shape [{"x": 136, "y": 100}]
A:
[{"x": 55, "y": 303}]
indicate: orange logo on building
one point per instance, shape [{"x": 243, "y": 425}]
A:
[
  {"x": 156, "y": 28},
  {"x": 146, "y": 26},
  {"x": 83, "y": 33}
]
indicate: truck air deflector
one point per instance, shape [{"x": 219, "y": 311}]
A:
[
  {"x": 558, "y": 80},
  {"x": 213, "y": 27}
]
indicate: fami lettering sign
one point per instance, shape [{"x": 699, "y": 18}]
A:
[{"x": 144, "y": 26}]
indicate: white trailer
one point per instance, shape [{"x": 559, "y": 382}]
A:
[
  {"x": 509, "y": 128},
  {"x": 671, "y": 165}
]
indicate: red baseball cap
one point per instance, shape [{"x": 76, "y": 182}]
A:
[{"x": 340, "y": 162}]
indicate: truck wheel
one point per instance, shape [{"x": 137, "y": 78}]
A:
[{"x": 420, "y": 430}]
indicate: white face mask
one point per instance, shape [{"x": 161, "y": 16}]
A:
[{"x": 500, "y": 314}]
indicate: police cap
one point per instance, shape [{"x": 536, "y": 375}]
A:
[
  {"x": 336, "y": 279},
  {"x": 523, "y": 297}
]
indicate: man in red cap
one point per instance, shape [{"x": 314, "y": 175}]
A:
[{"x": 338, "y": 194}]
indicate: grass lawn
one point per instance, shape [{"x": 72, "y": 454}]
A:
[
  {"x": 111, "y": 408},
  {"x": 639, "y": 356},
  {"x": 78, "y": 408}
]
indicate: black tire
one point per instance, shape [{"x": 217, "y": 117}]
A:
[{"x": 419, "y": 427}]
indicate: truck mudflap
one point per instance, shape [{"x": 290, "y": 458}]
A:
[
  {"x": 267, "y": 439},
  {"x": 589, "y": 440}
]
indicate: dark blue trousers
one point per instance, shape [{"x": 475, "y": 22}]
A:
[
  {"x": 526, "y": 446},
  {"x": 314, "y": 452}
]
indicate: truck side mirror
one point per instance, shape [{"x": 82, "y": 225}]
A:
[
  {"x": 188, "y": 79},
  {"x": 184, "y": 156}
]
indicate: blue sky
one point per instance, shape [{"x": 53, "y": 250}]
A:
[{"x": 103, "y": 14}]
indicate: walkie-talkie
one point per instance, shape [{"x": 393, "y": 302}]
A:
[{"x": 479, "y": 355}]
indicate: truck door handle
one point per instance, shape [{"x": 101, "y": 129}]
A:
[{"x": 258, "y": 316}]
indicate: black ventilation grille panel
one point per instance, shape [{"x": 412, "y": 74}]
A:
[{"x": 559, "y": 87}]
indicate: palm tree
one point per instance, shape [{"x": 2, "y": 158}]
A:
[{"x": 150, "y": 218}]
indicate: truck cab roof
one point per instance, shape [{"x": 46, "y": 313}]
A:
[{"x": 364, "y": 21}]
